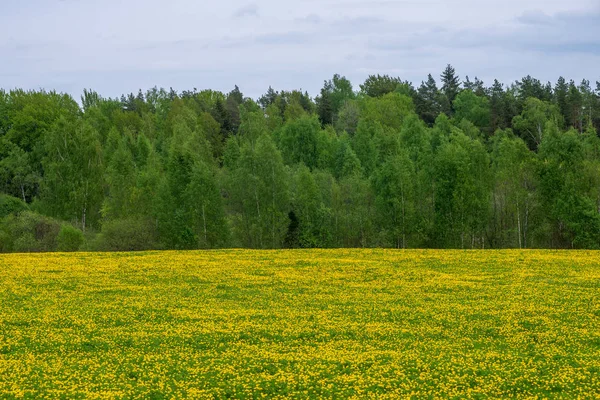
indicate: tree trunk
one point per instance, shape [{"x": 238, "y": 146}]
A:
[
  {"x": 204, "y": 222},
  {"x": 83, "y": 219},
  {"x": 259, "y": 219},
  {"x": 519, "y": 223},
  {"x": 526, "y": 224},
  {"x": 85, "y": 198},
  {"x": 273, "y": 210},
  {"x": 403, "y": 218}
]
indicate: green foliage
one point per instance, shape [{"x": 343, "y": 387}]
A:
[
  {"x": 461, "y": 165},
  {"x": 29, "y": 232},
  {"x": 515, "y": 198},
  {"x": 132, "y": 234},
  {"x": 72, "y": 185},
  {"x": 395, "y": 187},
  {"x": 364, "y": 145},
  {"x": 298, "y": 141},
  {"x": 450, "y": 84},
  {"x": 11, "y": 205},
  {"x": 309, "y": 210},
  {"x": 565, "y": 191},
  {"x": 532, "y": 121},
  {"x": 334, "y": 94},
  {"x": 354, "y": 211},
  {"x": 17, "y": 170},
  {"x": 461, "y": 193},
  {"x": 347, "y": 162},
  {"x": 389, "y": 110},
  {"x": 416, "y": 139},
  {"x": 428, "y": 101},
  {"x": 205, "y": 208},
  {"x": 379, "y": 85},
  {"x": 471, "y": 107},
  {"x": 69, "y": 238},
  {"x": 120, "y": 178},
  {"x": 258, "y": 198},
  {"x": 348, "y": 117}
]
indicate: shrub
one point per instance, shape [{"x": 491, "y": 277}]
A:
[
  {"x": 6, "y": 241},
  {"x": 127, "y": 235},
  {"x": 28, "y": 232},
  {"x": 69, "y": 238},
  {"x": 26, "y": 243},
  {"x": 11, "y": 205}
]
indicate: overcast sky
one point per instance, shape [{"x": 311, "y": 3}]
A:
[{"x": 119, "y": 46}]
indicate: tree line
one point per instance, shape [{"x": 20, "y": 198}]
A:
[{"x": 454, "y": 164}]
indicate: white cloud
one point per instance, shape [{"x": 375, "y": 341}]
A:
[
  {"x": 250, "y": 10},
  {"x": 116, "y": 47}
]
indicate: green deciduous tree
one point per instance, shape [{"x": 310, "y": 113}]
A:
[
  {"x": 387, "y": 166},
  {"x": 532, "y": 121},
  {"x": 334, "y": 94},
  {"x": 395, "y": 187},
  {"x": 298, "y": 141},
  {"x": 258, "y": 195},
  {"x": 515, "y": 204},
  {"x": 73, "y": 179},
  {"x": 471, "y": 107},
  {"x": 379, "y": 85},
  {"x": 204, "y": 205},
  {"x": 462, "y": 179},
  {"x": 570, "y": 210}
]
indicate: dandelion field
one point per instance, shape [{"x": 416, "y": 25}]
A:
[{"x": 300, "y": 324}]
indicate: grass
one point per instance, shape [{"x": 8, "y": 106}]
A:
[{"x": 300, "y": 324}]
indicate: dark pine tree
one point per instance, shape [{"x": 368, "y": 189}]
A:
[
  {"x": 427, "y": 101},
  {"x": 450, "y": 85}
]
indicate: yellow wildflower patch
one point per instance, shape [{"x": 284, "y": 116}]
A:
[{"x": 301, "y": 324}]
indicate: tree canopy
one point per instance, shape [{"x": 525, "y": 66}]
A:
[{"x": 454, "y": 164}]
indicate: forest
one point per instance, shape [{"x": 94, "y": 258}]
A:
[{"x": 450, "y": 163}]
